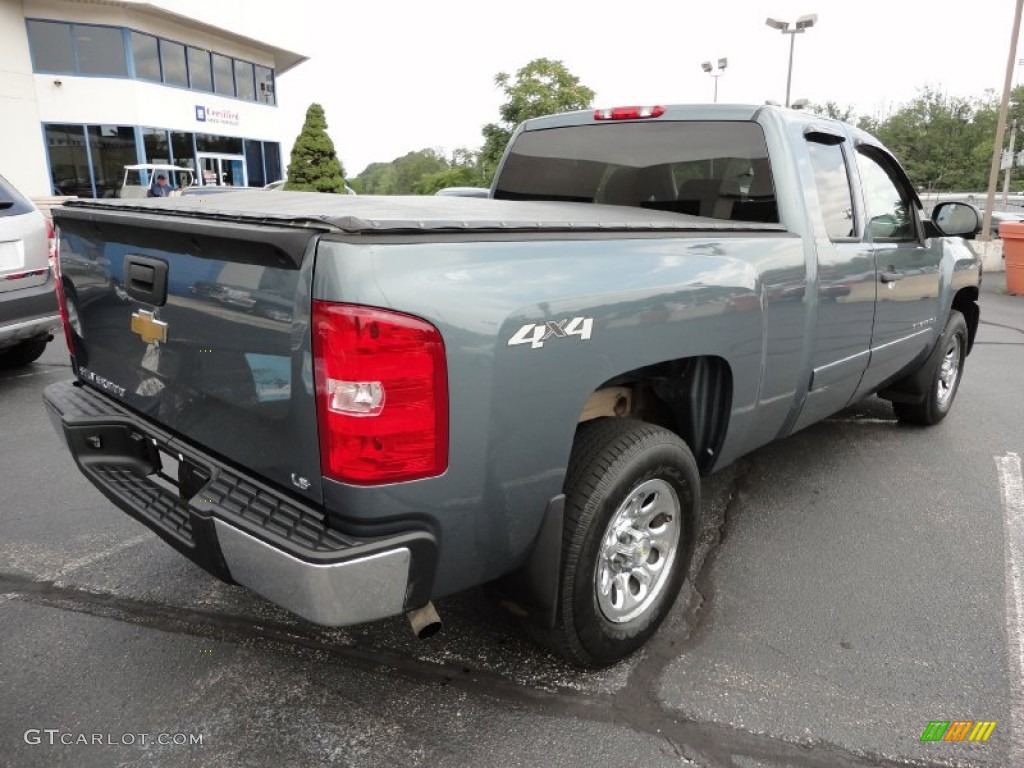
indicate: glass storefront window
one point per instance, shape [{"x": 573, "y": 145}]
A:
[
  {"x": 245, "y": 80},
  {"x": 225, "y": 145},
  {"x": 100, "y": 50},
  {"x": 265, "y": 85},
  {"x": 272, "y": 160},
  {"x": 158, "y": 149},
  {"x": 146, "y": 57},
  {"x": 51, "y": 46},
  {"x": 112, "y": 148},
  {"x": 200, "y": 75},
  {"x": 69, "y": 163},
  {"x": 223, "y": 75},
  {"x": 254, "y": 163},
  {"x": 173, "y": 57},
  {"x": 184, "y": 153}
]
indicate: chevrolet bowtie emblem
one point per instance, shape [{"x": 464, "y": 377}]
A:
[{"x": 148, "y": 327}]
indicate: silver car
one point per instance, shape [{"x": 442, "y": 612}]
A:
[{"x": 28, "y": 301}]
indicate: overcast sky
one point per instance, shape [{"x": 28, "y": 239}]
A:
[{"x": 400, "y": 76}]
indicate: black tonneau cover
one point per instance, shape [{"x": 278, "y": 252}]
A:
[{"x": 379, "y": 214}]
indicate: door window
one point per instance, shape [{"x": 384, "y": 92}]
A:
[
  {"x": 833, "y": 184},
  {"x": 890, "y": 208}
]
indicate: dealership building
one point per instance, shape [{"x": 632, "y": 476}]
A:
[{"x": 88, "y": 87}]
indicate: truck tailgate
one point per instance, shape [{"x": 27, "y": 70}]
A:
[{"x": 202, "y": 327}]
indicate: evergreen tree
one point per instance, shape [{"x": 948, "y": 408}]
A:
[{"x": 314, "y": 165}]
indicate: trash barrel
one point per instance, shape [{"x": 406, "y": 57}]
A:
[{"x": 1012, "y": 233}]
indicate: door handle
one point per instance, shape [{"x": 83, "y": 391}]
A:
[
  {"x": 145, "y": 279},
  {"x": 890, "y": 277}
]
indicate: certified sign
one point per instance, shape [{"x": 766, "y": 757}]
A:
[{"x": 205, "y": 114}]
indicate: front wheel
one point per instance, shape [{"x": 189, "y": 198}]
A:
[
  {"x": 632, "y": 502},
  {"x": 943, "y": 370}
]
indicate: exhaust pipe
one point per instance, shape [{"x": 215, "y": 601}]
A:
[{"x": 425, "y": 621}]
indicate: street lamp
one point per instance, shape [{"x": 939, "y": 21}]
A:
[
  {"x": 706, "y": 66},
  {"x": 802, "y": 24}
]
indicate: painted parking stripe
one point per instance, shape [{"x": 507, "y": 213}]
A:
[{"x": 1011, "y": 485}]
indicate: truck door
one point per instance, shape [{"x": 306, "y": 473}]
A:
[
  {"x": 907, "y": 268},
  {"x": 845, "y": 285}
]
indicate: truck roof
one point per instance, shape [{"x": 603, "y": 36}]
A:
[{"x": 381, "y": 214}]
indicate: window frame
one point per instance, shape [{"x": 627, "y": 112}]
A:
[
  {"x": 897, "y": 176},
  {"x": 130, "y": 72},
  {"x": 125, "y": 49},
  {"x": 273, "y": 85},
  {"x": 841, "y": 143},
  {"x": 76, "y": 70},
  {"x": 209, "y": 66},
  {"x": 159, "y": 57},
  {"x": 32, "y": 46},
  {"x": 233, "y": 94}
]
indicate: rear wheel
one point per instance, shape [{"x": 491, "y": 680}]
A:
[
  {"x": 632, "y": 501},
  {"x": 23, "y": 353},
  {"x": 943, "y": 370}
]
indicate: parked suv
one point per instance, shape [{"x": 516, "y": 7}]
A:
[{"x": 28, "y": 301}]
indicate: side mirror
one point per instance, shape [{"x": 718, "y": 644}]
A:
[{"x": 953, "y": 218}]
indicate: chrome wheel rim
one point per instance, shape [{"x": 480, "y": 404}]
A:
[
  {"x": 638, "y": 550},
  {"x": 949, "y": 372}
]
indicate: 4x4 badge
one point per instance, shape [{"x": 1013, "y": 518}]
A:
[
  {"x": 148, "y": 327},
  {"x": 535, "y": 334}
]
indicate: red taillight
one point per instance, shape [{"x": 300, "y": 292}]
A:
[
  {"x": 62, "y": 303},
  {"x": 381, "y": 395},
  {"x": 628, "y": 113}
]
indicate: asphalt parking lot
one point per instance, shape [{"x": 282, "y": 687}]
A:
[{"x": 853, "y": 583}]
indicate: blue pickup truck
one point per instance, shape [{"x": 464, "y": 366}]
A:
[{"x": 357, "y": 405}]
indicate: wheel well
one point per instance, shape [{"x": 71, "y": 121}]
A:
[
  {"x": 691, "y": 396},
  {"x": 965, "y": 302}
]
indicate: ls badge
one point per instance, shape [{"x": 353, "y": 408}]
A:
[{"x": 148, "y": 327}]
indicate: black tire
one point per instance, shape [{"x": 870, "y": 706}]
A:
[
  {"x": 941, "y": 382},
  {"x": 613, "y": 461},
  {"x": 23, "y": 353}
]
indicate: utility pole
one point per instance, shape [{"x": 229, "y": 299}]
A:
[
  {"x": 1009, "y": 171},
  {"x": 1004, "y": 106}
]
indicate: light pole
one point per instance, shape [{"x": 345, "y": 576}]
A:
[
  {"x": 706, "y": 66},
  {"x": 802, "y": 24}
]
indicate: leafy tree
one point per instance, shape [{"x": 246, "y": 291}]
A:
[
  {"x": 399, "y": 177},
  {"x": 411, "y": 167},
  {"x": 374, "y": 177},
  {"x": 314, "y": 165},
  {"x": 542, "y": 87},
  {"x": 420, "y": 173},
  {"x": 463, "y": 171},
  {"x": 832, "y": 109},
  {"x": 940, "y": 140}
]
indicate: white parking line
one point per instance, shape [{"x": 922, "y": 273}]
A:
[
  {"x": 1011, "y": 483},
  {"x": 95, "y": 556}
]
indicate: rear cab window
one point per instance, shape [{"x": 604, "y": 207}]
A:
[
  {"x": 715, "y": 169},
  {"x": 12, "y": 202}
]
